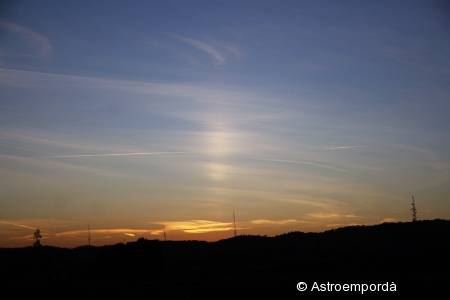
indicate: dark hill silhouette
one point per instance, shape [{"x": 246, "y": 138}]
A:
[{"x": 414, "y": 256}]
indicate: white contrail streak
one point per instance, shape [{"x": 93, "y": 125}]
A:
[
  {"x": 42, "y": 230},
  {"x": 346, "y": 147},
  {"x": 18, "y": 225},
  {"x": 110, "y": 154}
]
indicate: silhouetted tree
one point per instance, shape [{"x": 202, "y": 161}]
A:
[{"x": 37, "y": 235}]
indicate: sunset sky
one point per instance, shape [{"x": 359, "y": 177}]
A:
[{"x": 125, "y": 119}]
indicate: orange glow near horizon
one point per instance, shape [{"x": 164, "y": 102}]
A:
[{"x": 21, "y": 234}]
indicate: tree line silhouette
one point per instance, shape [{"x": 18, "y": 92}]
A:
[{"x": 410, "y": 254}]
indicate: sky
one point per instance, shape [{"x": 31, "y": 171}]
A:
[{"x": 199, "y": 120}]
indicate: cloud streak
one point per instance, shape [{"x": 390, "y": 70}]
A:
[
  {"x": 48, "y": 233},
  {"x": 17, "y": 225},
  {"x": 109, "y": 154},
  {"x": 33, "y": 38},
  {"x": 330, "y": 216},
  {"x": 277, "y": 222},
  {"x": 208, "y": 49},
  {"x": 196, "y": 226},
  {"x": 313, "y": 164}
]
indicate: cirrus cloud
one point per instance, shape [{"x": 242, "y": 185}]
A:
[{"x": 32, "y": 38}]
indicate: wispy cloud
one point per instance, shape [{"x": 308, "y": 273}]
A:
[
  {"x": 195, "y": 226},
  {"x": 314, "y": 164},
  {"x": 33, "y": 38},
  {"x": 17, "y": 224},
  {"x": 109, "y": 154},
  {"x": 82, "y": 234},
  {"x": 234, "y": 51},
  {"x": 330, "y": 216},
  {"x": 218, "y": 57},
  {"x": 390, "y": 220},
  {"x": 277, "y": 222},
  {"x": 46, "y": 234}
]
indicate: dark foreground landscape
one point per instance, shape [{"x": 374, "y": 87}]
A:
[{"x": 409, "y": 257}]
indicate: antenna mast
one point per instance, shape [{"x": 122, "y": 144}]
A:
[
  {"x": 414, "y": 211},
  {"x": 164, "y": 231},
  {"x": 89, "y": 236},
  {"x": 234, "y": 223}
]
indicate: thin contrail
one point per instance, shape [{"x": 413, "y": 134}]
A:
[
  {"x": 346, "y": 147},
  {"x": 109, "y": 154},
  {"x": 18, "y": 225}
]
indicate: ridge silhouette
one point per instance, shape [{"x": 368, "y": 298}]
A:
[{"x": 413, "y": 255}]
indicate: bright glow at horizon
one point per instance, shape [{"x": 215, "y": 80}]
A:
[{"x": 160, "y": 119}]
